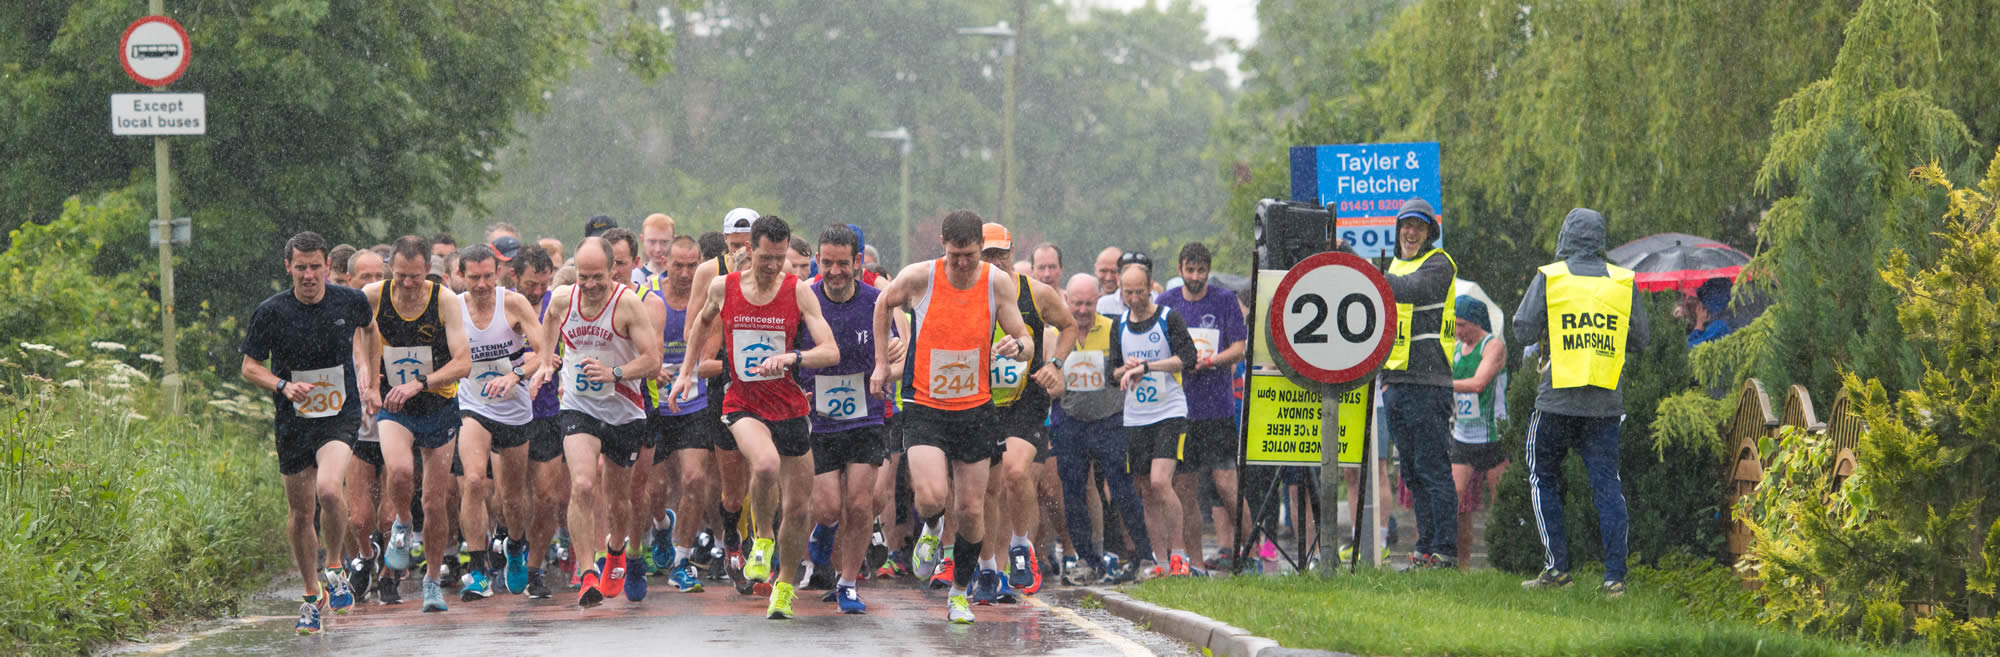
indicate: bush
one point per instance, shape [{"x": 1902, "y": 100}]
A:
[
  {"x": 1673, "y": 492},
  {"x": 115, "y": 521}
]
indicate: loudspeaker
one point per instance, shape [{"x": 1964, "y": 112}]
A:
[{"x": 1287, "y": 232}]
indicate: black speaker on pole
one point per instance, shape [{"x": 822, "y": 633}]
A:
[{"x": 1288, "y": 232}]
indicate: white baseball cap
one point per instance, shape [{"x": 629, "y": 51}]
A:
[{"x": 738, "y": 221}]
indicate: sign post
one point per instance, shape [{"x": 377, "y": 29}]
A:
[
  {"x": 154, "y": 52},
  {"x": 1331, "y": 323}
]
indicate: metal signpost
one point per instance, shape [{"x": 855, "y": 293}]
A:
[{"x": 154, "y": 52}]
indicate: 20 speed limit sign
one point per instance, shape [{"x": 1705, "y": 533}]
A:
[{"x": 1333, "y": 319}]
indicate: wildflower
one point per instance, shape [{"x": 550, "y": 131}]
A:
[
  {"x": 152, "y": 358},
  {"x": 107, "y": 346},
  {"x": 72, "y": 383},
  {"x": 74, "y": 363}
]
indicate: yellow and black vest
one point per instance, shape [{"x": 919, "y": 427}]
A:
[{"x": 1427, "y": 322}]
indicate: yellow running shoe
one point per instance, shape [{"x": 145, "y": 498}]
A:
[
  {"x": 781, "y": 602},
  {"x": 758, "y": 567},
  {"x": 961, "y": 611}
]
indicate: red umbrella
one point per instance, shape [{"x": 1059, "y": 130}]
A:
[{"x": 1678, "y": 261}]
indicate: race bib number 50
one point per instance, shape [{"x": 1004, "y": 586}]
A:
[{"x": 329, "y": 392}]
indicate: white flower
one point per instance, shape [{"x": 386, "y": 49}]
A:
[
  {"x": 72, "y": 383},
  {"x": 107, "y": 346},
  {"x": 130, "y": 416},
  {"x": 152, "y": 358},
  {"x": 74, "y": 363}
]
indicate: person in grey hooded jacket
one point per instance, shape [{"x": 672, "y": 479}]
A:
[{"x": 1586, "y": 304}]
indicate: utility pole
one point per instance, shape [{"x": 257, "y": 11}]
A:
[{"x": 163, "y": 188}]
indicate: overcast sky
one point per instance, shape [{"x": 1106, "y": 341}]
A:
[{"x": 1226, "y": 18}]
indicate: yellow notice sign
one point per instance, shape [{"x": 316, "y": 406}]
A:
[{"x": 1285, "y": 422}]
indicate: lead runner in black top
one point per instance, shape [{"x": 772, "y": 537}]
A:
[{"x": 309, "y": 334}]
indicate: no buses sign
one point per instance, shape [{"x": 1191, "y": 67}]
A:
[{"x": 1332, "y": 319}]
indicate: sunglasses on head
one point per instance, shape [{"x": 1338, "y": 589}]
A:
[{"x": 1135, "y": 257}]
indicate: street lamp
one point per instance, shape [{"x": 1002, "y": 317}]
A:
[
  {"x": 1007, "y": 169},
  {"x": 902, "y": 135}
]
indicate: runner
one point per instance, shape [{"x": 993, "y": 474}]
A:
[
  {"x": 1215, "y": 323},
  {"x": 624, "y": 263},
  {"x": 1092, "y": 434},
  {"x": 948, "y": 434},
  {"x": 1154, "y": 344},
  {"x": 367, "y": 515},
  {"x": 495, "y": 411},
  {"x": 416, "y": 345},
  {"x": 1479, "y": 403},
  {"x": 733, "y": 478},
  {"x": 550, "y": 478},
  {"x": 309, "y": 334},
  {"x": 1108, "y": 262},
  {"x": 1023, "y": 389},
  {"x": 847, "y": 423},
  {"x": 688, "y": 433},
  {"x": 799, "y": 259},
  {"x": 764, "y": 408},
  {"x": 608, "y": 343},
  {"x": 657, "y": 235},
  {"x": 443, "y": 244},
  {"x": 336, "y": 262}
]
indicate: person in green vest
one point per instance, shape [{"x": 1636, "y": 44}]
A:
[
  {"x": 1416, "y": 380},
  {"x": 1586, "y": 316},
  {"x": 1479, "y": 402}
]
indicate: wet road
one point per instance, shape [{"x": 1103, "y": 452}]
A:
[{"x": 901, "y": 620}]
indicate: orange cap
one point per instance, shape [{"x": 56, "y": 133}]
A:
[{"x": 997, "y": 237}]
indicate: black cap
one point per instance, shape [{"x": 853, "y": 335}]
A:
[
  {"x": 597, "y": 225},
  {"x": 506, "y": 247}
]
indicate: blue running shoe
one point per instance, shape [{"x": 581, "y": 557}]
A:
[
  {"x": 985, "y": 587},
  {"x": 685, "y": 578},
  {"x": 850, "y": 602},
  {"x": 635, "y": 585},
  {"x": 308, "y": 619},
  {"x": 517, "y": 567},
  {"x": 476, "y": 587},
  {"x": 662, "y": 557},
  {"x": 338, "y": 593},
  {"x": 1020, "y": 565},
  {"x": 1004, "y": 593},
  {"x": 397, "y": 555},
  {"x": 433, "y": 597},
  {"x": 819, "y": 548}
]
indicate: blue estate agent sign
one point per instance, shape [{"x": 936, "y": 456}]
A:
[{"x": 1365, "y": 184}]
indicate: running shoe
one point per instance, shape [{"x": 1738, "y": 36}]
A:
[
  {"x": 517, "y": 567},
  {"x": 339, "y": 594},
  {"x": 819, "y": 577},
  {"x": 537, "y": 589},
  {"x": 925, "y": 557},
  {"x": 959, "y": 611},
  {"x": 635, "y": 585},
  {"x": 1549, "y": 579},
  {"x": 1612, "y": 589},
  {"x": 1005, "y": 593},
  {"x": 1177, "y": 566},
  {"x": 735, "y": 571},
  {"x": 611, "y": 576},
  {"x": 360, "y": 574},
  {"x": 892, "y": 567},
  {"x": 943, "y": 578},
  {"x": 477, "y": 587},
  {"x": 850, "y": 601},
  {"x": 308, "y": 618},
  {"x": 758, "y": 567},
  {"x": 703, "y": 553},
  {"x": 1027, "y": 569},
  {"x": 781, "y": 602},
  {"x": 433, "y": 596},
  {"x": 1148, "y": 569},
  {"x": 417, "y": 561},
  {"x": 660, "y": 559},
  {"x": 389, "y": 589},
  {"x": 878, "y": 547},
  {"x": 1077, "y": 573},
  {"x": 685, "y": 578},
  {"x": 591, "y": 595},
  {"x": 397, "y": 556},
  {"x": 986, "y": 587}
]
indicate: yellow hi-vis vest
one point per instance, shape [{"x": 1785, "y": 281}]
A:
[
  {"x": 1406, "y": 315},
  {"x": 1588, "y": 318}
]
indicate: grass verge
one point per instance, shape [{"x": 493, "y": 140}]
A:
[
  {"x": 1478, "y": 614},
  {"x": 112, "y": 522}
]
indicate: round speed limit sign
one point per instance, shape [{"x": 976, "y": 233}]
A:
[{"x": 1333, "y": 318}]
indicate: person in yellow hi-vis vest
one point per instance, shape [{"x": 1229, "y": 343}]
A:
[
  {"x": 1416, "y": 380},
  {"x": 1586, "y": 318}
]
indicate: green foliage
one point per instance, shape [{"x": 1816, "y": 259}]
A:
[
  {"x": 773, "y": 113},
  {"x": 111, "y": 524},
  {"x": 361, "y": 120},
  {"x": 1690, "y": 421},
  {"x": 1673, "y": 484}
]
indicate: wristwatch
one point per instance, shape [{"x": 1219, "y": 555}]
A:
[
  {"x": 618, "y": 373},
  {"x": 424, "y": 380},
  {"x": 281, "y": 386},
  {"x": 520, "y": 373},
  {"x": 1055, "y": 363}
]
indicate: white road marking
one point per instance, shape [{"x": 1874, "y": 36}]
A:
[{"x": 1125, "y": 646}]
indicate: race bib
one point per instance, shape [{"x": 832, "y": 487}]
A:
[
  {"x": 1207, "y": 342},
  {"x": 575, "y": 383},
  {"x": 839, "y": 396},
  {"x": 329, "y": 392},
  {"x": 1083, "y": 371},
  {"x": 485, "y": 371},
  {"x": 1009, "y": 374},
  {"x": 1465, "y": 406},
  {"x": 953, "y": 373},
  {"x": 1149, "y": 391},
  {"x": 405, "y": 364},
  {"x": 752, "y": 347}
]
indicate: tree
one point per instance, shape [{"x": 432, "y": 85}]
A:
[{"x": 359, "y": 119}]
